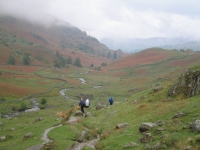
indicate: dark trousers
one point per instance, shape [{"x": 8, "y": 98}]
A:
[{"x": 82, "y": 109}]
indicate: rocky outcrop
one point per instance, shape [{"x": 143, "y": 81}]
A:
[
  {"x": 195, "y": 125},
  {"x": 188, "y": 84}
]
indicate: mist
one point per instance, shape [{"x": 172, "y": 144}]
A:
[{"x": 113, "y": 19}]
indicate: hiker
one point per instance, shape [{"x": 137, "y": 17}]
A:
[
  {"x": 111, "y": 101},
  {"x": 82, "y": 105},
  {"x": 87, "y": 103}
]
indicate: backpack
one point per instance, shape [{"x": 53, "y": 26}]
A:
[{"x": 82, "y": 103}]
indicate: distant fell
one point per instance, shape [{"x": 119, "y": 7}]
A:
[
  {"x": 28, "y": 37},
  {"x": 138, "y": 44},
  {"x": 149, "y": 56}
]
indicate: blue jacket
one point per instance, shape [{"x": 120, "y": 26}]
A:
[{"x": 110, "y": 100}]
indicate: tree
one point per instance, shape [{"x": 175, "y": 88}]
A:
[
  {"x": 69, "y": 60},
  {"x": 26, "y": 60},
  {"x": 115, "y": 55},
  {"x": 43, "y": 101},
  {"x": 11, "y": 60},
  {"x": 109, "y": 55},
  {"x": 56, "y": 63},
  {"x": 63, "y": 61},
  {"x": 77, "y": 62},
  {"x": 57, "y": 53}
]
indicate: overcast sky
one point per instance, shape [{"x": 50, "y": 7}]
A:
[{"x": 116, "y": 18}]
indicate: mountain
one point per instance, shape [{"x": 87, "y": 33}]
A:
[
  {"x": 42, "y": 41},
  {"x": 138, "y": 44}
]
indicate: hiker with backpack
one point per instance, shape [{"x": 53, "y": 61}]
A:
[
  {"x": 82, "y": 105},
  {"x": 111, "y": 100},
  {"x": 87, "y": 103}
]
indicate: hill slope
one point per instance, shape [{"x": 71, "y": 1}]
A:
[{"x": 43, "y": 41}]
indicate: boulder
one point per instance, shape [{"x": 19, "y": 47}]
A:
[
  {"x": 81, "y": 136},
  {"x": 78, "y": 113},
  {"x": 195, "y": 125},
  {"x": 12, "y": 129},
  {"x": 158, "y": 146},
  {"x": 129, "y": 145},
  {"x": 147, "y": 137},
  {"x": 38, "y": 119},
  {"x": 146, "y": 126},
  {"x": 28, "y": 135},
  {"x": 179, "y": 115},
  {"x": 99, "y": 106},
  {"x": 135, "y": 102},
  {"x": 87, "y": 114},
  {"x": 188, "y": 148},
  {"x": 160, "y": 122},
  {"x": 156, "y": 89},
  {"x": 118, "y": 126},
  {"x": 2, "y": 138}
]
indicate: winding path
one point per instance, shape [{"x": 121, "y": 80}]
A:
[{"x": 45, "y": 135}]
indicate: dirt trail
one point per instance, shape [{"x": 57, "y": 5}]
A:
[{"x": 78, "y": 146}]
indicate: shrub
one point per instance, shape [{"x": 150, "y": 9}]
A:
[
  {"x": 103, "y": 64},
  {"x": 43, "y": 101},
  {"x": 11, "y": 60},
  {"x": 26, "y": 60},
  {"x": 2, "y": 98},
  {"x": 23, "y": 107},
  {"x": 98, "y": 68}
]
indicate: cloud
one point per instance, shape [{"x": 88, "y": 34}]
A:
[{"x": 115, "y": 18}]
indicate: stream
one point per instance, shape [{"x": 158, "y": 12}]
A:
[{"x": 44, "y": 137}]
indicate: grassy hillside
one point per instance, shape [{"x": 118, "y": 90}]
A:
[{"x": 131, "y": 87}]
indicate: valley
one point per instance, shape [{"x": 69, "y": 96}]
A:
[{"x": 143, "y": 116}]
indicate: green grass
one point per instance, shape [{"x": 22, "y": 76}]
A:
[{"x": 151, "y": 107}]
